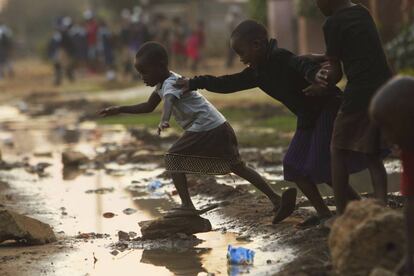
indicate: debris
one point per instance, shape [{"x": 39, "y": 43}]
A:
[
  {"x": 123, "y": 236},
  {"x": 129, "y": 211},
  {"x": 17, "y": 227},
  {"x": 154, "y": 185},
  {"x": 91, "y": 235},
  {"x": 240, "y": 255},
  {"x": 243, "y": 238},
  {"x": 114, "y": 252},
  {"x": 74, "y": 158},
  {"x": 100, "y": 191},
  {"x": 108, "y": 215}
]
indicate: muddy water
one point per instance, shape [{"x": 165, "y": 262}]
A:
[{"x": 69, "y": 201}]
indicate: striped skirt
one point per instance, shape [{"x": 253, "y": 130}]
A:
[
  {"x": 308, "y": 155},
  {"x": 212, "y": 152}
]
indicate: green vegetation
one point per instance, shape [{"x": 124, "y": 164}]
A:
[
  {"x": 258, "y": 10},
  {"x": 307, "y": 8}
]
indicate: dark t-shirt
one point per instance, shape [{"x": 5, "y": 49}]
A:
[
  {"x": 283, "y": 77},
  {"x": 352, "y": 37}
]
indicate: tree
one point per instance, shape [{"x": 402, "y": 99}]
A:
[{"x": 258, "y": 10}]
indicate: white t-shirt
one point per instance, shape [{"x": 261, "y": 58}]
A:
[{"x": 191, "y": 111}]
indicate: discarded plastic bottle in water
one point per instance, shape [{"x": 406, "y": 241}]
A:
[
  {"x": 239, "y": 255},
  {"x": 154, "y": 185}
]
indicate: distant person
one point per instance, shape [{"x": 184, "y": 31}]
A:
[
  {"x": 124, "y": 37},
  {"x": 193, "y": 45},
  {"x": 91, "y": 26},
  {"x": 179, "y": 51},
  {"x": 208, "y": 145},
  {"x": 61, "y": 51},
  {"x": 284, "y": 77},
  {"x": 352, "y": 40},
  {"x": 80, "y": 43},
  {"x": 201, "y": 34},
  {"x": 6, "y": 49},
  {"x": 105, "y": 47},
  {"x": 392, "y": 109}
]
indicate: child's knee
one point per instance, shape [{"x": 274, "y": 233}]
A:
[{"x": 241, "y": 166}]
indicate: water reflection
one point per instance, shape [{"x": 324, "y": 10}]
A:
[{"x": 188, "y": 262}]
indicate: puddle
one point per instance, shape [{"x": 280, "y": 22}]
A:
[{"x": 74, "y": 202}]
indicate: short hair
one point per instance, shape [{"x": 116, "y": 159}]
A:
[
  {"x": 153, "y": 52},
  {"x": 392, "y": 109},
  {"x": 250, "y": 30}
]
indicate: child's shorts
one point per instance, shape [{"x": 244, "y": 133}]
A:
[
  {"x": 209, "y": 152},
  {"x": 407, "y": 178},
  {"x": 354, "y": 131}
]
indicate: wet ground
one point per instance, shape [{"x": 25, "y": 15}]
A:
[{"x": 88, "y": 206}]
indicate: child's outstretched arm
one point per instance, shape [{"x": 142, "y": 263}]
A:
[
  {"x": 224, "y": 84},
  {"x": 169, "y": 100},
  {"x": 146, "y": 107}
]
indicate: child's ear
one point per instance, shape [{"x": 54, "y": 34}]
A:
[{"x": 258, "y": 44}]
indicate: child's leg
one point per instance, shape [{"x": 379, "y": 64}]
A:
[
  {"x": 180, "y": 183},
  {"x": 378, "y": 176},
  {"x": 340, "y": 178},
  {"x": 256, "y": 180},
  {"x": 409, "y": 220},
  {"x": 285, "y": 205},
  {"x": 351, "y": 193},
  {"x": 310, "y": 190},
  {"x": 406, "y": 267}
]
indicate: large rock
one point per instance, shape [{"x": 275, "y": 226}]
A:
[
  {"x": 73, "y": 158},
  {"x": 21, "y": 228},
  {"x": 167, "y": 227},
  {"x": 366, "y": 236}
]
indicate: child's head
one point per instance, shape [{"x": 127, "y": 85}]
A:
[
  {"x": 328, "y": 6},
  {"x": 151, "y": 62},
  {"x": 250, "y": 40},
  {"x": 392, "y": 108}
]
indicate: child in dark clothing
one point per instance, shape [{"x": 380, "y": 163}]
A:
[
  {"x": 352, "y": 38},
  {"x": 392, "y": 109},
  {"x": 208, "y": 145},
  {"x": 284, "y": 76}
]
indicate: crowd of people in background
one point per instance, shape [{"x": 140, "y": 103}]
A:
[{"x": 93, "y": 46}]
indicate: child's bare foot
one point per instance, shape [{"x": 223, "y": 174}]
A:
[{"x": 287, "y": 205}]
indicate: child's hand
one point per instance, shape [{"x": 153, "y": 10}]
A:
[
  {"x": 162, "y": 126},
  {"x": 322, "y": 75},
  {"x": 110, "y": 111},
  {"x": 183, "y": 84},
  {"x": 315, "y": 90}
]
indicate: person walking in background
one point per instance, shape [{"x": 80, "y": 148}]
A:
[
  {"x": 91, "y": 26},
  {"x": 61, "y": 51},
  {"x": 6, "y": 49},
  {"x": 179, "y": 50},
  {"x": 193, "y": 50},
  {"x": 105, "y": 49}
]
